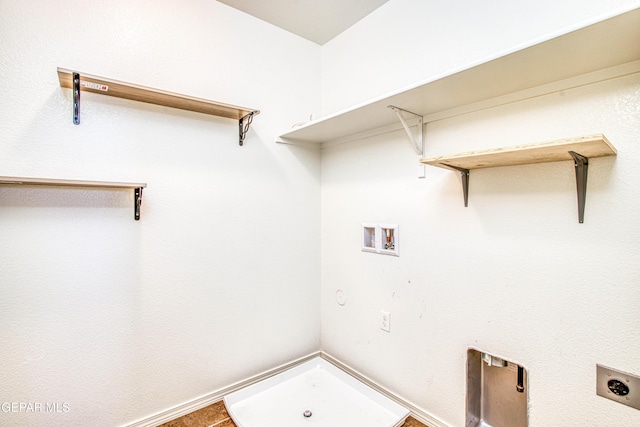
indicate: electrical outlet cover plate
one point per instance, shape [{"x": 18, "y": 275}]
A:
[{"x": 618, "y": 386}]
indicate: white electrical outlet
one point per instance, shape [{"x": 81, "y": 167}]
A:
[{"x": 385, "y": 320}]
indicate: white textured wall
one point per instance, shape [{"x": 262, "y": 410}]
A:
[
  {"x": 219, "y": 280},
  {"x": 514, "y": 274}
]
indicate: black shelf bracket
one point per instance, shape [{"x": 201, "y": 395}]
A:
[
  {"x": 244, "y": 124},
  {"x": 464, "y": 173},
  {"x": 137, "y": 202},
  {"x": 582, "y": 166},
  {"x": 76, "y": 98},
  {"x": 520, "y": 384}
]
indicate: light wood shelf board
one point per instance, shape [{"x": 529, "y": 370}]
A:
[
  {"x": 552, "y": 151},
  {"x": 9, "y": 180},
  {"x": 118, "y": 89}
]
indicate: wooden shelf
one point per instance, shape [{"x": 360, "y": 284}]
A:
[
  {"x": 600, "y": 51},
  {"x": 137, "y": 187},
  {"x": 553, "y": 151},
  {"x": 118, "y": 89},
  {"x": 10, "y": 180},
  {"x": 134, "y": 92},
  {"x": 577, "y": 149}
]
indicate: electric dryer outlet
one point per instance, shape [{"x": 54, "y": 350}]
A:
[{"x": 618, "y": 386}]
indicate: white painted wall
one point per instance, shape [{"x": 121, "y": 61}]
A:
[
  {"x": 219, "y": 280},
  {"x": 514, "y": 274}
]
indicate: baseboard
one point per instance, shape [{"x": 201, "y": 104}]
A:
[{"x": 216, "y": 396}]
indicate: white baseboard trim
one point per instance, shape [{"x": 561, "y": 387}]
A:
[{"x": 216, "y": 396}]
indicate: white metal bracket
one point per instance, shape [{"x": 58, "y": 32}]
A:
[{"x": 417, "y": 139}]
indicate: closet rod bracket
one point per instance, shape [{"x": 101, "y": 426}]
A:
[
  {"x": 137, "y": 202},
  {"x": 417, "y": 141},
  {"x": 464, "y": 173},
  {"x": 582, "y": 166},
  {"x": 244, "y": 123}
]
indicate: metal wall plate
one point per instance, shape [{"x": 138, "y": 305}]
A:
[
  {"x": 497, "y": 391},
  {"x": 618, "y": 386}
]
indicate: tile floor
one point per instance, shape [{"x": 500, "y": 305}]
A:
[{"x": 216, "y": 416}]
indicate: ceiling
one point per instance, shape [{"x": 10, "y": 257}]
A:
[{"x": 315, "y": 20}]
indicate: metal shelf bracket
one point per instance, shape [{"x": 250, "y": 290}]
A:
[
  {"x": 464, "y": 173},
  {"x": 76, "y": 98},
  {"x": 137, "y": 201},
  {"x": 244, "y": 124},
  {"x": 582, "y": 166},
  {"x": 417, "y": 141}
]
